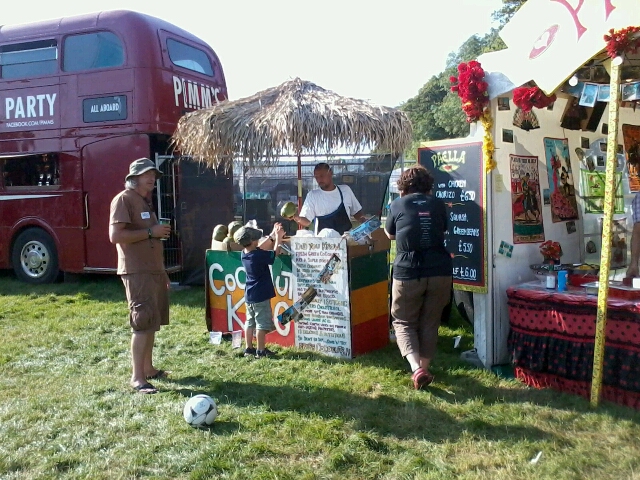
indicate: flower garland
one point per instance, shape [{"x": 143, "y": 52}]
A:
[
  {"x": 620, "y": 41},
  {"x": 487, "y": 141},
  {"x": 472, "y": 90},
  {"x": 528, "y": 97}
]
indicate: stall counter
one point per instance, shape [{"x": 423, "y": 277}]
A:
[
  {"x": 350, "y": 317},
  {"x": 552, "y": 336}
]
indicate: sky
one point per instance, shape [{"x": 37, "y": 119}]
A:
[{"x": 382, "y": 52}]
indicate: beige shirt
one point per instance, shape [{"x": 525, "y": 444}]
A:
[{"x": 146, "y": 256}]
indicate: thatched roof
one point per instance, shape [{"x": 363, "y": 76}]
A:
[{"x": 295, "y": 117}]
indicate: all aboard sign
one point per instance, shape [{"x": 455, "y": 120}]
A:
[
  {"x": 36, "y": 108},
  {"x": 547, "y": 40}
]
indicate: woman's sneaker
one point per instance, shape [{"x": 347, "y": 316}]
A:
[
  {"x": 265, "y": 353},
  {"x": 249, "y": 352},
  {"x": 421, "y": 378}
]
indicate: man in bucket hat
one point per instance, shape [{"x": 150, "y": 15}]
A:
[{"x": 134, "y": 229}]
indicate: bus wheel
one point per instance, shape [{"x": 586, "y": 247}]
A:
[{"x": 34, "y": 257}]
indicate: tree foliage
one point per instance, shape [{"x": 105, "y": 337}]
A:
[{"x": 435, "y": 111}]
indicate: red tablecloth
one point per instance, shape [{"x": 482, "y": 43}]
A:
[{"x": 552, "y": 339}]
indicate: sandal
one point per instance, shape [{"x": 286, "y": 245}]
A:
[
  {"x": 159, "y": 375},
  {"x": 421, "y": 378},
  {"x": 145, "y": 388}
]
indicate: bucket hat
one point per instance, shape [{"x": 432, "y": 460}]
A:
[
  {"x": 245, "y": 235},
  {"x": 140, "y": 166}
]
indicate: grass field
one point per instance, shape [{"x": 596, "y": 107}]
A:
[{"x": 66, "y": 411}]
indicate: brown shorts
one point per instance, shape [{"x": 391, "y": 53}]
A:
[{"x": 148, "y": 299}]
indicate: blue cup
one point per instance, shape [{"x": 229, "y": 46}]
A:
[{"x": 562, "y": 280}]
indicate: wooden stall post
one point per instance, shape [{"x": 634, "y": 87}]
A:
[{"x": 605, "y": 255}]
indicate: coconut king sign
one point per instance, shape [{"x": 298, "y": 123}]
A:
[{"x": 226, "y": 310}]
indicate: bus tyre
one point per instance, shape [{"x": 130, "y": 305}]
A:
[{"x": 34, "y": 257}]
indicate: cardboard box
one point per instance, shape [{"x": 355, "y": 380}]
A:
[{"x": 378, "y": 242}]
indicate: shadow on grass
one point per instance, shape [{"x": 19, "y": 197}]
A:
[
  {"x": 457, "y": 382},
  {"x": 384, "y": 415}
]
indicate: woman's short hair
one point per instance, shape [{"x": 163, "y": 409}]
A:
[{"x": 416, "y": 179}]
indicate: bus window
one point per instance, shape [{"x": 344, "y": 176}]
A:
[
  {"x": 89, "y": 51},
  {"x": 189, "y": 57},
  {"x": 31, "y": 59},
  {"x": 31, "y": 171}
]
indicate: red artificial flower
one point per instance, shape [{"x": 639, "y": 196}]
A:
[
  {"x": 472, "y": 89},
  {"x": 621, "y": 41},
  {"x": 528, "y": 97},
  {"x": 551, "y": 250}
]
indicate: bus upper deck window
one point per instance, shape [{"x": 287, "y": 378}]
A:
[
  {"x": 30, "y": 59},
  {"x": 89, "y": 51},
  {"x": 189, "y": 57}
]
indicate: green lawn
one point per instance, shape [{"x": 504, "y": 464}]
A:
[{"x": 66, "y": 410}]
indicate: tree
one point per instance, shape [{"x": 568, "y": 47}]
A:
[
  {"x": 508, "y": 9},
  {"x": 435, "y": 111}
]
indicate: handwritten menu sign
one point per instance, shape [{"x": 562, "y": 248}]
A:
[
  {"x": 460, "y": 183},
  {"x": 325, "y": 326}
]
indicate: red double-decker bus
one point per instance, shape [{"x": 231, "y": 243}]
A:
[{"x": 80, "y": 98}]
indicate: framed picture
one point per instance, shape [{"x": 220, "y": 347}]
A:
[
  {"x": 503, "y": 103},
  {"x": 589, "y": 95},
  {"x": 584, "y": 142},
  {"x": 603, "y": 93},
  {"x": 507, "y": 135}
]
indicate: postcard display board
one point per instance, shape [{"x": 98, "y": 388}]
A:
[{"x": 348, "y": 317}]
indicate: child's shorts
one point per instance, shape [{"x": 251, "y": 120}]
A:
[{"x": 259, "y": 316}]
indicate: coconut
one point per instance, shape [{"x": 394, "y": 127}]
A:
[
  {"x": 288, "y": 210},
  {"x": 220, "y": 232},
  {"x": 233, "y": 228}
]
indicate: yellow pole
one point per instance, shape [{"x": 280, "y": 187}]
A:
[{"x": 605, "y": 255}]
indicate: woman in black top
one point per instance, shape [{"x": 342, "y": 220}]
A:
[{"x": 421, "y": 271}]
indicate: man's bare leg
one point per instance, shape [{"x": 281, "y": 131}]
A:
[{"x": 140, "y": 342}]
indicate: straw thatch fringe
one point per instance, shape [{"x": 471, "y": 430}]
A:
[{"x": 295, "y": 117}]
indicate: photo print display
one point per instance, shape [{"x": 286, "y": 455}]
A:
[
  {"x": 603, "y": 93},
  {"x": 563, "y": 196},
  {"x": 503, "y": 103},
  {"x": 589, "y": 95},
  {"x": 525, "y": 200},
  {"x": 630, "y": 92},
  {"x": 507, "y": 135}
]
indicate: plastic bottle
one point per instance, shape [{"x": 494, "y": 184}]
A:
[
  {"x": 562, "y": 280},
  {"x": 551, "y": 281}
]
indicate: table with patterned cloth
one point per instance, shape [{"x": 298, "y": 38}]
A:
[{"x": 552, "y": 337}]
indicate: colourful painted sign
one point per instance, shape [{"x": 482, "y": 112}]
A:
[{"x": 226, "y": 280}]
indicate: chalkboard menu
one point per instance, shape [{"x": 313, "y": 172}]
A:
[{"x": 460, "y": 183}]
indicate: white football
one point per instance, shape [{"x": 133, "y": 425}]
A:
[{"x": 200, "y": 411}]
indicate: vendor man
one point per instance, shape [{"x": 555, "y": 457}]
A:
[{"x": 332, "y": 206}]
